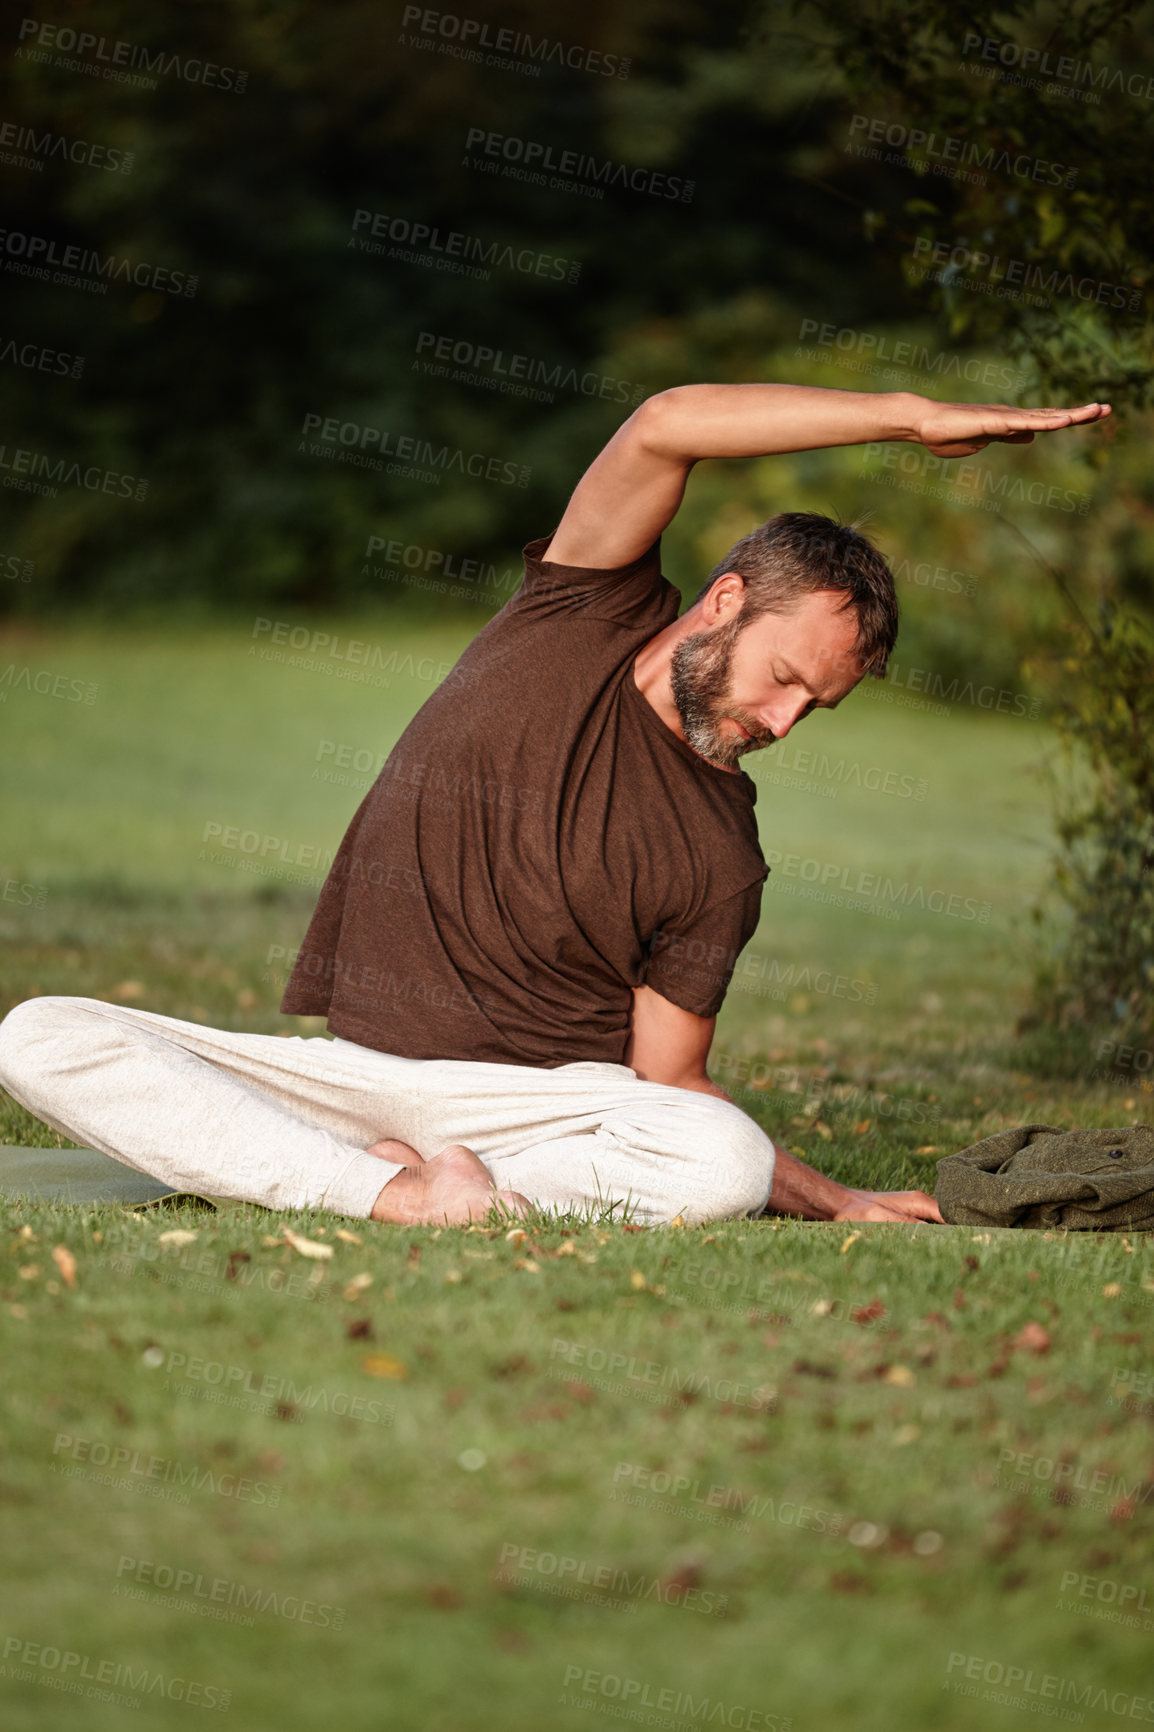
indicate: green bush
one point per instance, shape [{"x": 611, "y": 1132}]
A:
[{"x": 1099, "y": 973}]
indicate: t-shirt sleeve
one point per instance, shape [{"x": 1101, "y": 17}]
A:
[
  {"x": 692, "y": 964},
  {"x": 605, "y": 592}
]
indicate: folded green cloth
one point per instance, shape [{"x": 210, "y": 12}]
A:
[{"x": 1039, "y": 1176}]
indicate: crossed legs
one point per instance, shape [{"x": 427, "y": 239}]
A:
[{"x": 314, "y": 1123}]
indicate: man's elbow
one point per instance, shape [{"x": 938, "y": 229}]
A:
[{"x": 661, "y": 424}]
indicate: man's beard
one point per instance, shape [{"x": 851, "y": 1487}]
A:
[{"x": 699, "y": 674}]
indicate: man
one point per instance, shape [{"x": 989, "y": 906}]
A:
[{"x": 529, "y": 927}]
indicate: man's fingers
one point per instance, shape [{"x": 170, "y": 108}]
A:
[
  {"x": 904, "y": 1206},
  {"x": 961, "y": 427},
  {"x": 918, "y": 1203},
  {"x": 1083, "y": 412}
]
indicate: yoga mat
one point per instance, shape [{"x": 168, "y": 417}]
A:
[{"x": 76, "y": 1176}]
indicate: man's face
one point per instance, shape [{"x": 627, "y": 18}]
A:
[{"x": 739, "y": 688}]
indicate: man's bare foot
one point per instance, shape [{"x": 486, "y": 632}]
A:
[{"x": 448, "y": 1189}]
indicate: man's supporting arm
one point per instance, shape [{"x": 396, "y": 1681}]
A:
[
  {"x": 632, "y": 490},
  {"x": 671, "y": 1045}
]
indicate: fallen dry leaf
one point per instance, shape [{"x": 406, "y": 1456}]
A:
[
  {"x": 177, "y": 1236},
  {"x": 846, "y": 1243},
  {"x": 306, "y": 1247},
  {"x": 900, "y": 1376},
  {"x": 384, "y": 1365},
  {"x": 677, "y": 1221},
  {"x": 516, "y": 1236},
  {"x": 357, "y": 1284},
  {"x": 528, "y": 1265},
  {"x": 568, "y": 1249},
  {"x": 927, "y": 1149},
  {"x": 347, "y": 1238},
  {"x": 637, "y": 1281},
  {"x": 1032, "y": 1338},
  {"x": 1112, "y": 1290},
  {"x": 66, "y": 1263},
  {"x": 823, "y": 1130}
]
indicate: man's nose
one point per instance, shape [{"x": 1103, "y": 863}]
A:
[{"x": 782, "y": 714}]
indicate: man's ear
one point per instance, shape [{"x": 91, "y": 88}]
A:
[{"x": 723, "y": 600}]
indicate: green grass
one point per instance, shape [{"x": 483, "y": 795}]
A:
[{"x": 502, "y": 1419}]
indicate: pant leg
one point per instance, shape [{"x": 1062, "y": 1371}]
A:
[
  {"x": 285, "y": 1122},
  {"x": 588, "y": 1134},
  {"x": 280, "y": 1122}
]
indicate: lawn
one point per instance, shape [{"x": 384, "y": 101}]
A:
[{"x": 742, "y": 1475}]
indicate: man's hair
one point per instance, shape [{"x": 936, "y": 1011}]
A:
[{"x": 798, "y": 553}]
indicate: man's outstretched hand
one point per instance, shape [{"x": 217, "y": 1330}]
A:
[
  {"x": 960, "y": 429},
  {"x": 904, "y": 1206},
  {"x": 799, "y": 1189}
]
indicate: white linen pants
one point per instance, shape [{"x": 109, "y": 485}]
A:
[{"x": 285, "y": 1122}]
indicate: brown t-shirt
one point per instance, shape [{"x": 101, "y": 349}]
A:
[{"x": 537, "y": 844}]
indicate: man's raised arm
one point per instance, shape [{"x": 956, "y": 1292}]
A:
[{"x": 632, "y": 491}]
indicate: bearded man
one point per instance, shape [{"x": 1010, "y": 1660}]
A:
[{"x": 529, "y": 927}]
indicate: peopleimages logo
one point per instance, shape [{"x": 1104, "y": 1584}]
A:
[
  {"x": 84, "y": 267},
  {"x": 218, "y": 1594},
  {"x": 658, "y": 1382},
  {"x": 915, "y": 144},
  {"x": 496, "y": 45},
  {"x": 874, "y": 346},
  {"x": 67, "y": 1669},
  {"x": 1027, "y": 1683},
  {"x": 1058, "y": 68},
  {"x": 123, "y": 1461},
  {"x": 662, "y": 1702},
  {"x": 421, "y": 243},
  {"x": 875, "y": 885},
  {"x": 41, "y": 147},
  {"x": 956, "y": 263},
  {"x": 112, "y": 57},
  {"x": 520, "y": 1564},
  {"x": 538, "y": 159}
]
